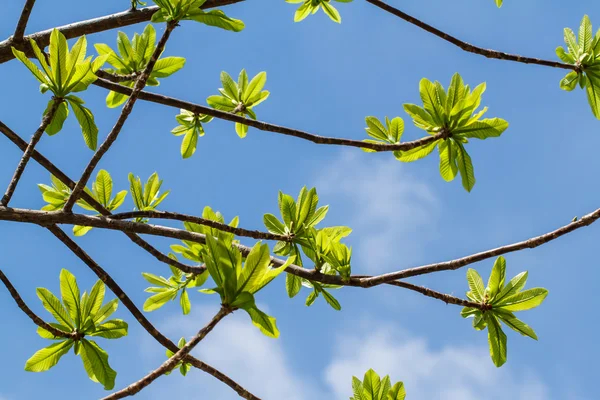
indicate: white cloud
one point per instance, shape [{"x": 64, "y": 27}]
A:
[
  {"x": 391, "y": 211},
  {"x": 450, "y": 373},
  {"x": 238, "y": 349}
]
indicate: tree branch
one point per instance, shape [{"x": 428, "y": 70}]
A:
[
  {"x": 446, "y": 298},
  {"x": 203, "y": 221},
  {"x": 36, "y": 320},
  {"x": 23, "y": 19},
  {"x": 50, "y": 167},
  {"x": 29, "y": 151},
  {"x": 45, "y": 218},
  {"x": 89, "y": 26},
  {"x": 172, "y": 362},
  {"x": 265, "y": 126},
  {"x": 125, "y": 112},
  {"x": 466, "y": 46},
  {"x": 139, "y": 316}
]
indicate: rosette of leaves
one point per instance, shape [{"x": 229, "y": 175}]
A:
[
  {"x": 148, "y": 196},
  {"x": 321, "y": 246},
  {"x": 133, "y": 58},
  {"x": 391, "y": 133},
  {"x": 178, "y": 10},
  {"x": 452, "y": 115},
  {"x": 500, "y": 300},
  {"x": 238, "y": 285},
  {"x": 312, "y": 6},
  {"x": 167, "y": 289},
  {"x": 585, "y": 56},
  {"x": 81, "y": 316},
  {"x": 192, "y": 250},
  {"x": 190, "y": 126},
  {"x": 184, "y": 367},
  {"x": 65, "y": 72},
  {"x": 240, "y": 98},
  {"x": 57, "y": 195},
  {"x": 374, "y": 388}
]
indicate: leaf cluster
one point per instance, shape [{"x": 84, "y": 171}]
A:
[
  {"x": 146, "y": 197},
  {"x": 374, "y": 388},
  {"x": 451, "y": 113},
  {"x": 132, "y": 59},
  {"x": 64, "y": 72},
  {"x": 585, "y": 55},
  {"x": 57, "y": 195},
  {"x": 81, "y": 316},
  {"x": 240, "y": 97},
  {"x": 499, "y": 300},
  {"x": 190, "y": 126},
  {"x": 312, "y": 6},
  {"x": 178, "y": 10},
  {"x": 167, "y": 289},
  {"x": 321, "y": 245}
]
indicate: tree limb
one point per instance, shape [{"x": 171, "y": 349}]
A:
[
  {"x": 29, "y": 151},
  {"x": 125, "y": 112},
  {"x": 466, "y": 46},
  {"x": 172, "y": 362},
  {"x": 23, "y": 19},
  {"x": 50, "y": 167},
  {"x": 140, "y": 317},
  {"x": 265, "y": 126},
  {"x": 95, "y": 25}
]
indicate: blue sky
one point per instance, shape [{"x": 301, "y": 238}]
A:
[{"x": 325, "y": 78}]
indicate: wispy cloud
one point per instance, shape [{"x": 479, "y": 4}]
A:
[
  {"x": 449, "y": 373},
  {"x": 238, "y": 349},
  {"x": 393, "y": 214}
]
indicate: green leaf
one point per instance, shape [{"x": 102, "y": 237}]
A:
[
  {"x": 255, "y": 267},
  {"x": 475, "y": 284},
  {"x": 60, "y": 115},
  {"x": 217, "y": 18},
  {"x": 113, "y": 329},
  {"x": 515, "y": 324},
  {"x": 585, "y": 35},
  {"x": 497, "y": 340},
  {"x": 44, "y": 334},
  {"x": 264, "y": 322},
  {"x": 79, "y": 230},
  {"x": 160, "y": 299},
  {"x": 94, "y": 301},
  {"x": 371, "y": 385},
  {"x": 167, "y": 66},
  {"x": 106, "y": 311},
  {"x": 331, "y": 300},
  {"x": 489, "y": 127},
  {"x": 273, "y": 224},
  {"x": 293, "y": 284},
  {"x": 465, "y": 166},
  {"x": 103, "y": 187},
  {"x": 86, "y": 122},
  {"x": 496, "y": 281},
  {"x": 95, "y": 362},
  {"x": 522, "y": 301},
  {"x": 515, "y": 285},
  {"x": 186, "y": 306},
  {"x": 397, "y": 392},
  {"x": 331, "y": 12},
  {"x": 593, "y": 95},
  {"x": 255, "y": 86},
  {"x": 48, "y": 357},
  {"x": 448, "y": 167},
  {"x": 70, "y": 295},
  {"x": 417, "y": 153},
  {"x": 39, "y": 75}
]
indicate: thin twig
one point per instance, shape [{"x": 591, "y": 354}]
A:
[
  {"x": 36, "y": 320},
  {"x": 446, "y": 298},
  {"x": 466, "y": 46},
  {"x": 95, "y": 25},
  {"x": 29, "y": 151},
  {"x": 203, "y": 221},
  {"x": 50, "y": 167},
  {"x": 23, "y": 19},
  {"x": 265, "y": 126},
  {"x": 125, "y": 112},
  {"x": 172, "y": 362},
  {"x": 140, "y": 317}
]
